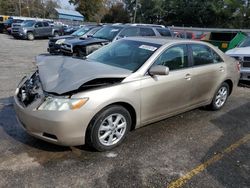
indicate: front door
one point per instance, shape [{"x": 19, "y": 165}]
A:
[{"x": 167, "y": 94}]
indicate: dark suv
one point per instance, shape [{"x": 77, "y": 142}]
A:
[
  {"x": 54, "y": 44},
  {"x": 82, "y": 46}
]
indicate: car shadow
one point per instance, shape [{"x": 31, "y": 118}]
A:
[
  {"x": 11, "y": 127},
  {"x": 232, "y": 169}
]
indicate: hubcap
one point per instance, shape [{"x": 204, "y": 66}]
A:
[
  {"x": 221, "y": 97},
  {"x": 112, "y": 129}
]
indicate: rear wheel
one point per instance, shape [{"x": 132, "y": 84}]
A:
[
  {"x": 220, "y": 97},
  {"x": 30, "y": 36},
  {"x": 109, "y": 128}
]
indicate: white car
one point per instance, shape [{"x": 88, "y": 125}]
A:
[{"x": 242, "y": 53}]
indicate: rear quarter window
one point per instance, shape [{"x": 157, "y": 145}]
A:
[{"x": 164, "y": 32}]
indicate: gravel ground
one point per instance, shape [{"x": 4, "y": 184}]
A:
[{"x": 152, "y": 156}]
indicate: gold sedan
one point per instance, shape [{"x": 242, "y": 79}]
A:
[{"x": 122, "y": 86}]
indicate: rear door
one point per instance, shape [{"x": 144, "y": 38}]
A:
[
  {"x": 47, "y": 29},
  {"x": 164, "y": 95},
  {"x": 207, "y": 74},
  {"x": 38, "y": 30}
]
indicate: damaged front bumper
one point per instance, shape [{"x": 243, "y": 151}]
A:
[{"x": 59, "y": 127}]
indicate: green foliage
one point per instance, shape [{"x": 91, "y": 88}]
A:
[
  {"x": 89, "y": 8},
  {"x": 116, "y": 14},
  {"x": 196, "y": 13},
  {"x": 31, "y": 8}
]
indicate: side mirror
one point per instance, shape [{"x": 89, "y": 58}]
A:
[
  {"x": 36, "y": 26},
  {"x": 158, "y": 70}
]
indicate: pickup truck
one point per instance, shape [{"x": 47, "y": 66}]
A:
[
  {"x": 54, "y": 45},
  {"x": 242, "y": 54},
  {"x": 30, "y": 29}
]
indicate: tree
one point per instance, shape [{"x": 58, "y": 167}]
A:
[
  {"x": 89, "y": 8},
  {"x": 31, "y": 8},
  {"x": 116, "y": 14}
]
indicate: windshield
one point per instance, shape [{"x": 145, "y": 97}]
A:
[
  {"x": 125, "y": 54},
  {"x": 81, "y": 32},
  {"x": 28, "y": 23},
  {"x": 245, "y": 43},
  {"x": 108, "y": 32}
]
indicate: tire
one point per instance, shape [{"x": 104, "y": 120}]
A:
[
  {"x": 108, "y": 128},
  {"x": 220, "y": 97},
  {"x": 30, "y": 36},
  {"x": 78, "y": 52}
]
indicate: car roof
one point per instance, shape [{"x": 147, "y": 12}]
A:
[{"x": 162, "y": 40}]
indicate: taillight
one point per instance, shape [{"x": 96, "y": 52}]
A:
[{"x": 238, "y": 66}]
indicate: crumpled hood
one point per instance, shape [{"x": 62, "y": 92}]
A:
[
  {"x": 60, "y": 74},
  {"x": 239, "y": 51},
  {"x": 85, "y": 41}
]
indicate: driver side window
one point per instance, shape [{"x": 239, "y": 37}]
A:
[{"x": 174, "y": 58}]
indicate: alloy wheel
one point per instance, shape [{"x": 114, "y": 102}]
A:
[{"x": 112, "y": 129}]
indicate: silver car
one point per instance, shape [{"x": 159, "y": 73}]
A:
[{"x": 125, "y": 85}]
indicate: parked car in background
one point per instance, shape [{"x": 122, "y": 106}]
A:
[
  {"x": 8, "y": 23},
  {"x": 82, "y": 46},
  {"x": 31, "y": 29},
  {"x": 54, "y": 45},
  {"x": 242, "y": 54},
  {"x": 125, "y": 85},
  {"x": 70, "y": 29},
  {"x": 3, "y": 18}
]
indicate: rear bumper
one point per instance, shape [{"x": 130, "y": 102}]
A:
[{"x": 19, "y": 35}]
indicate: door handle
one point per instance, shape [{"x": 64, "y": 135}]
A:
[
  {"x": 188, "y": 77},
  {"x": 221, "y": 69}
]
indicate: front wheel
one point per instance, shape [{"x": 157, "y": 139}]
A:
[
  {"x": 30, "y": 36},
  {"x": 220, "y": 97},
  {"x": 109, "y": 128}
]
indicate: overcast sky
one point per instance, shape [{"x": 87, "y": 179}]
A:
[{"x": 65, "y": 4}]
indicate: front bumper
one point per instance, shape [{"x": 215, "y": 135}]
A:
[
  {"x": 245, "y": 74},
  {"x": 54, "y": 48},
  {"x": 65, "y": 128}
]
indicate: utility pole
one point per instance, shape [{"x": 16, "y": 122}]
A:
[
  {"x": 20, "y": 8},
  {"x": 136, "y": 4}
]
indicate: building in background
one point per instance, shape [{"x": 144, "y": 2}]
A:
[{"x": 64, "y": 14}]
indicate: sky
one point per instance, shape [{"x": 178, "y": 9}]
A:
[{"x": 65, "y": 4}]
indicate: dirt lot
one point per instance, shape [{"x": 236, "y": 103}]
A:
[{"x": 196, "y": 149}]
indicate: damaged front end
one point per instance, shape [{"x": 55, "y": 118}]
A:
[{"x": 30, "y": 90}]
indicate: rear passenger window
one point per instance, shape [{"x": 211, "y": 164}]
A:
[
  {"x": 46, "y": 24},
  {"x": 39, "y": 24},
  {"x": 146, "y": 32},
  {"x": 202, "y": 55},
  {"x": 174, "y": 58},
  {"x": 217, "y": 58},
  {"x": 164, "y": 32},
  {"x": 129, "y": 32}
]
